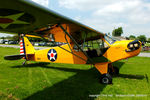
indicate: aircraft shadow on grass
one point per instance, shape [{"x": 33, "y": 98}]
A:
[{"x": 77, "y": 87}]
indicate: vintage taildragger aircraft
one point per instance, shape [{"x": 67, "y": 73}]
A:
[{"x": 82, "y": 44}]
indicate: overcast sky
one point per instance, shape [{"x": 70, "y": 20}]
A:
[{"x": 105, "y": 15}]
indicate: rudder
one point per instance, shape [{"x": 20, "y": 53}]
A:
[{"x": 28, "y": 47}]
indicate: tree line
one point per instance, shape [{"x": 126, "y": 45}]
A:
[
  {"x": 16, "y": 38},
  {"x": 119, "y": 31}
]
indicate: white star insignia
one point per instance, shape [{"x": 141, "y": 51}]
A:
[
  {"x": 52, "y": 55},
  {"x": 14, "y": 18}
]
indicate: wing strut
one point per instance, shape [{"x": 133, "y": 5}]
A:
[{"x": 75, "y": 43}]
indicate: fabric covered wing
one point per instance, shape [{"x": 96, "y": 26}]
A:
[{"x": 27, "y": 17}]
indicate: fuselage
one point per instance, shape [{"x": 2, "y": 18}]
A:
[{"x": 66, "y": 53}]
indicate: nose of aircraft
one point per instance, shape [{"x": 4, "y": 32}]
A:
[{"x": 134, "y": 45}]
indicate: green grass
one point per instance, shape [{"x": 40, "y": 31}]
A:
[
  {"x": 147, "y": 44},
  {"x": 39, "y": 81}
]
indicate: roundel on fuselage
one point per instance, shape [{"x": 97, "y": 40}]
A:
[{"x": 52, "y": 55}]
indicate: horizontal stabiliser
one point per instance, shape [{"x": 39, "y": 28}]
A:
[{"x": 14, "y": 57}]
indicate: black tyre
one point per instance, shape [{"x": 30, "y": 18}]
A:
[{"x": 106, "y": 79}]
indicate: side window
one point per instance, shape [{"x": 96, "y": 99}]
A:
[
  {"x": 96, "y": 48},
  {"x": 76, "y": 48},
  {"x": 96, "y": 44},
  {"x": 103, "y": 44}
]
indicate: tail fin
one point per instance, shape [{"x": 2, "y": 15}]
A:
[{"x": 27, "y": 47}]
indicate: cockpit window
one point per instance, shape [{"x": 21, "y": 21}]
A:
[
  {"x": 94, "y": 48},
  {"x": 109, "y": 39}
]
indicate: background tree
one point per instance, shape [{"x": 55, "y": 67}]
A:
[
  {"x": 8, "y": 37},
  {"x": 117, "y": 32},
  {"x": 3, "y": 38},
  {"x": 132, "y": 37},
  {"x": 15, "y": 38},
  {"x": 148, "y": 39},
  {"x": 142, "y": 38},
  {"x": 109, "y": 33}
]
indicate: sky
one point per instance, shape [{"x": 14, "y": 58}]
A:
[{"x": 105, "y": 15}]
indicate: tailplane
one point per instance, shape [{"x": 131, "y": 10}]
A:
[
  {"x": 26, "y": 51},
  {"x": 14, "y": 57},
  {"x": 27, "y": 46}
]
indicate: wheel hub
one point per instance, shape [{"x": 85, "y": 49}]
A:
[{"x": 105, "y": 80}]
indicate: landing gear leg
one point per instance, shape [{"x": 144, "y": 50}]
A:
[
  {"x": 116, "y": 70},
  {"x": 103, "y": 69},
  {"x": 113, "y": 70}
]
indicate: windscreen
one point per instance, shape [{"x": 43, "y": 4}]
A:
[{"x": 109, "y": 39}]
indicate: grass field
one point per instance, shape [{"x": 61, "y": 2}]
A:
[{"x": 39, "y": 81}]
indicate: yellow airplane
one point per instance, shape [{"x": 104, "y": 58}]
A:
[{"x": 81, "y": 44}]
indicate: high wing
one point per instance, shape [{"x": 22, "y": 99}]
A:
[{"x": 27, "y": 17}]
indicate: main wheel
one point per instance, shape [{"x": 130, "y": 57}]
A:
[{"x": 106, "y": 79}]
